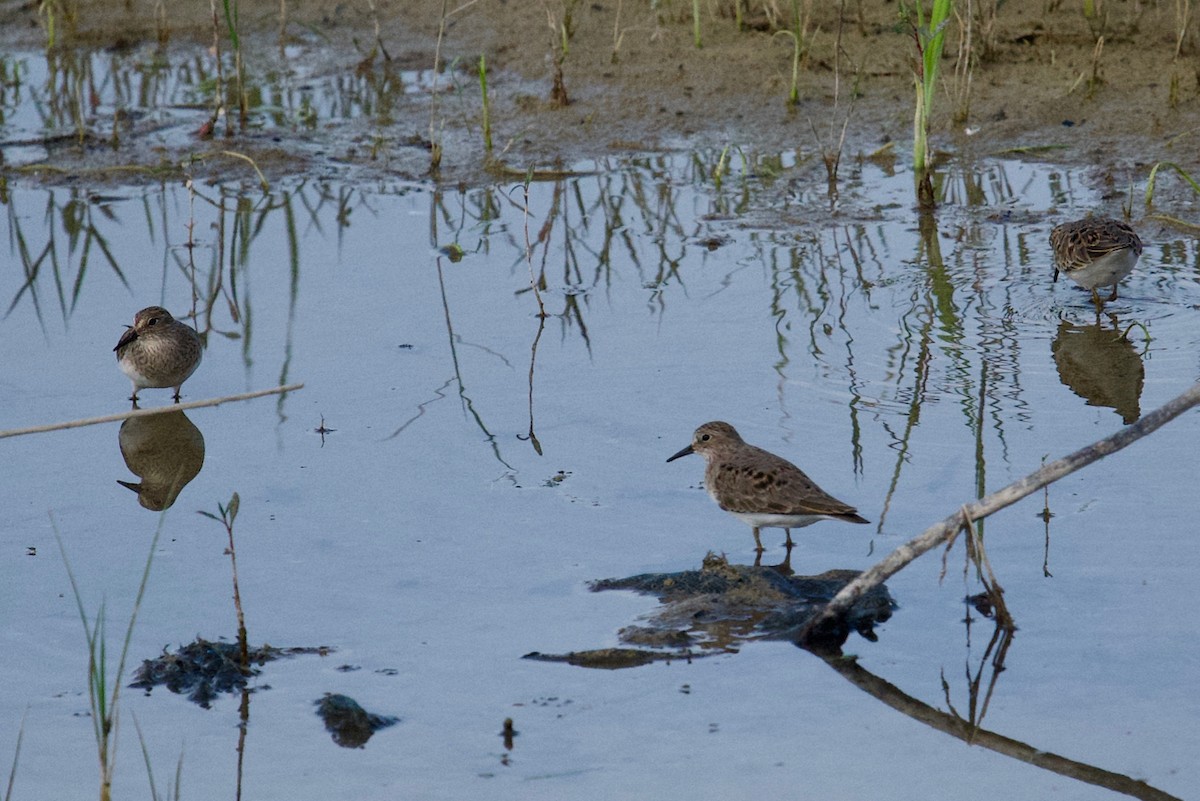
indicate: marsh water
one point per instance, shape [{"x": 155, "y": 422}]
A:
[{"x": 494, "y": 375}]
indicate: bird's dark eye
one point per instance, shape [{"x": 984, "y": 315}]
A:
[
  {"x": 152, "y": 321},
  {"x": 705, "y": 437}
]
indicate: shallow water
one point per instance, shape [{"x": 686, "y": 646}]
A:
[{"x": 908, "y": 363}]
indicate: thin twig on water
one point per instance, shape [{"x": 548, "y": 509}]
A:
[
  {"x": 977, "y": 510},
  {"x": 175, "y": 407}
]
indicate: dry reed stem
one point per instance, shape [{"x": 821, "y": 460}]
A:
[
  {"x": 176, "y": 407},
  {"x": 262, "y": 179}
]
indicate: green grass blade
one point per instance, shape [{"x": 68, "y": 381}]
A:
[
  {"x": 1151, "y": 181},
  {"x": 104, "y": 705},
  {"x": 146, "y": 757},
  {"x": 231, "y": 20}
]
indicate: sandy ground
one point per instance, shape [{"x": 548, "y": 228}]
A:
[{"x": 635, "y": 81}]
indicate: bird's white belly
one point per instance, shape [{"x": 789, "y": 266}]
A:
[
  {"x": 135, "y": 375},
  {"x": 765, "y": 520},
  {"x": 1106, "y": 270},
  {"x": 158, "y": 378}
]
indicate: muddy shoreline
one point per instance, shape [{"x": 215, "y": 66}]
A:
[{"x": 636, "y": 83}]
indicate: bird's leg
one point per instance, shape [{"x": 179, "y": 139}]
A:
[
  {"x": 789, "y": 542},
  {"x": 758, "y": 542},
  {"x": 1096, "y": 300},
  {"x": 177, "y": 394},
  {"x": 1113, "y": 296},
  {"x": 758, "y": 559}
]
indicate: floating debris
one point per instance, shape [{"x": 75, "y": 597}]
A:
[
  {"x": 615, "y": 658},
  {"x": 508, "y": 733},
  {"x": 202, "y": 670},
  {"x": 714, "y": 609},
  {"x": 350, "y": 724}
]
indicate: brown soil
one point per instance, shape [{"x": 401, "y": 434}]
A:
[{"x": 636, "y": 82}]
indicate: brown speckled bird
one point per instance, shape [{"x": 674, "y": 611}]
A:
[
  {"x": 1095, "y": 252},
  {"x": 759, "y": 488},
  {"x": 158, "y": 351}
]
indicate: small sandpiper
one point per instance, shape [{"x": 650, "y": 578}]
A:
[
  {"x": 158, "y": 351},
  {"x": 759, "y": 488},
  {"x": 1095, "y": 252}
]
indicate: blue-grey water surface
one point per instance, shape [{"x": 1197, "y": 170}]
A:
[{"x": 909, "y": 364}]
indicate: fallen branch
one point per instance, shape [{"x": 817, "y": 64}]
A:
[
  {"x": 977, "y": 510},
  {"x": 177, "y": 407}
]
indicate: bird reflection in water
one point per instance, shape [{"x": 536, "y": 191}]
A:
[
  {"x": 1099, "y": 364},
  {"x": 166, "y": 451}
]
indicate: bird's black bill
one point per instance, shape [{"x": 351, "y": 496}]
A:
[
  {"x": 683, "y": 452},
  {"x": 129, "y": 335}
]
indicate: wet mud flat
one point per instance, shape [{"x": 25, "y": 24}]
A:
[{"x": 334, "y": 88}]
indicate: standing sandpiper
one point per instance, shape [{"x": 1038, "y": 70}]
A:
[
  {"x": 760, "y": 488},
  {"x": 1095, "y": 252},
  {"x": 158, "y": 351}
]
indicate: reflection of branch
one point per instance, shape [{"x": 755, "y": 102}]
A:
[
  {"x": 468, "y": 405},
  {"x": 977, "y": 510},
  {"x": 243, "y": 728},
  {"x": 1001, "y": 639},
  {"x": 78, "y": 220},
  {"x": 236, "y": 226},
  {"x": 293, "y": 294},
  {"x": 1046, "y": 514},
  {"x": 957, "y": 727},
  {"x": 441, "y": 395},
  {"x": 912, "y": 419},
  {"x": 175, "y": 407},
  {"x": 533, "y": 284}
]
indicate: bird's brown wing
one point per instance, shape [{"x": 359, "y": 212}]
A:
[
  {"x": 1111, "y": 235},
  {"x": 770, "y": 484},
  {"x": 1080, "y": 243}
]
